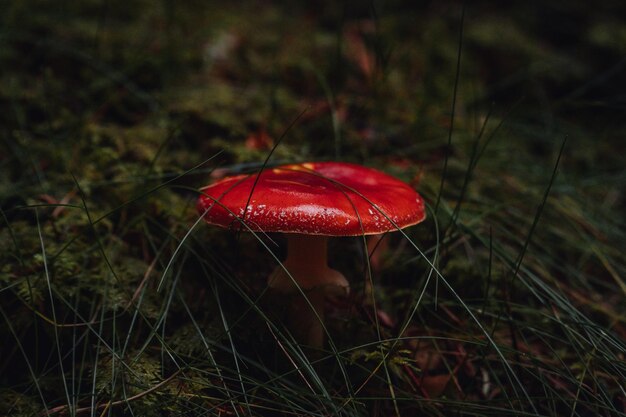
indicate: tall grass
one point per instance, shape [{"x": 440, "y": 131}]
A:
[{"x": 116, "y": 299}]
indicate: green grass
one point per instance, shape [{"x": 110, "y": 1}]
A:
[{"x": 115, "y": 299}]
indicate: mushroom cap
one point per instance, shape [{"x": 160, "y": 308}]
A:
[{"x": 318, "y": 198}]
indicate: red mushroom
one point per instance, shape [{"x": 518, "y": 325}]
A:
[{"x": 310, "y": 202}]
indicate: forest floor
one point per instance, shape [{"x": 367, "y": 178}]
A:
[{"x": 508, "y": 300}]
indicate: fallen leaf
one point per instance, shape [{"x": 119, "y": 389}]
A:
[{"x": 259, "y": 140}]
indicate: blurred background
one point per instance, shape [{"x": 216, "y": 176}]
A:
[{"x": 509, "y": 120}]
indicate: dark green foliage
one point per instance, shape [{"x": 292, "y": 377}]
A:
[{"x": 508, "y": 300}]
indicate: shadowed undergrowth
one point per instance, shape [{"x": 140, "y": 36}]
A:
[{"x": 116, "y": 300}]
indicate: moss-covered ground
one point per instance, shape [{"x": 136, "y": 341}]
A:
[{"x": 509, "y": 300}]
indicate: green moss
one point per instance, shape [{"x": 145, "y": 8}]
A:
[{"x": 107, "y": 290}]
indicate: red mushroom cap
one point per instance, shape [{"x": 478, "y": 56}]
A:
[{"x": 318, "y": 198}]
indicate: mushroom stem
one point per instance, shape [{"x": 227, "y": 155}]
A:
[{"x": 307, "y": 263}]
